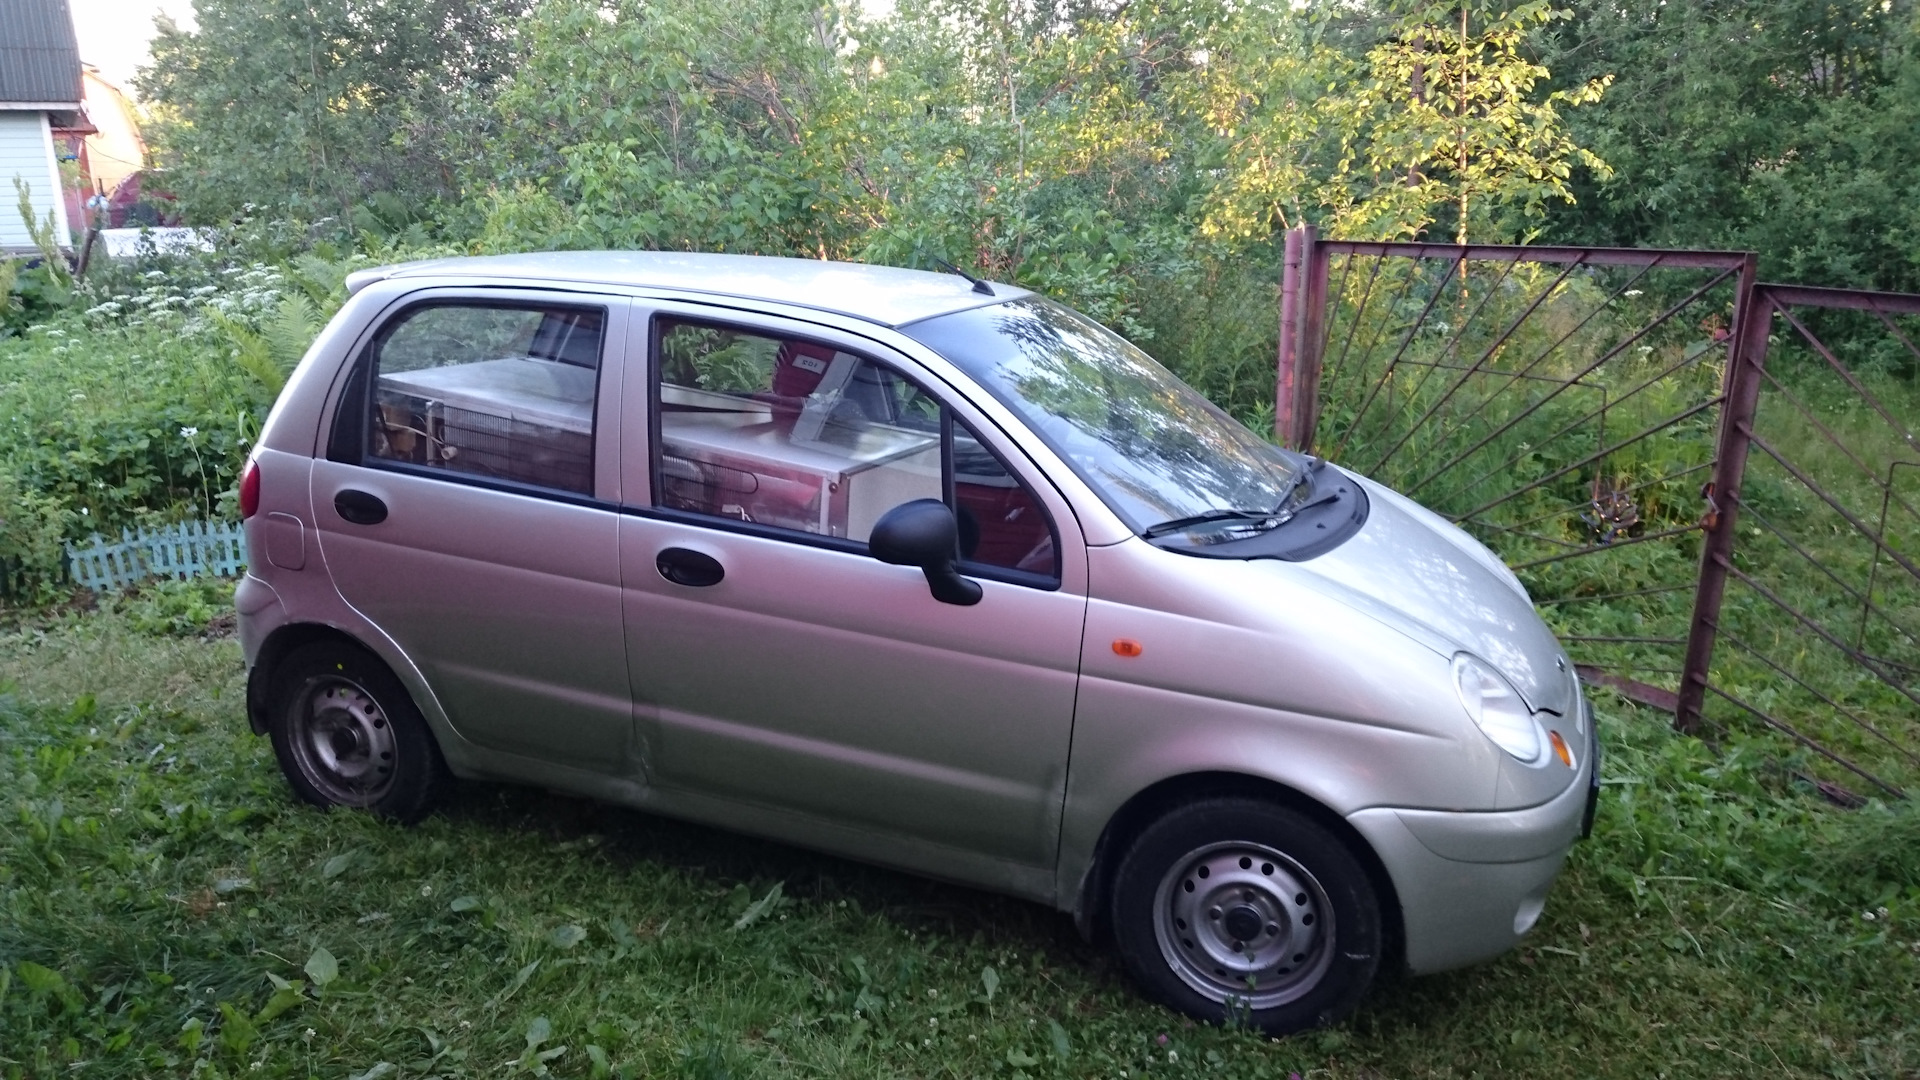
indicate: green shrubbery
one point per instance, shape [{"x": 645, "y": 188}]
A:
[{"x": 134, "y": 398}]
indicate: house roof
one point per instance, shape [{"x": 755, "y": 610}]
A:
[{"x": 39, "y": 56}]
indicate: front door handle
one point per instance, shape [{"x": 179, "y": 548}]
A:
[
  {"x": 360, "y": 507},
  {"x": 683, "y": 566}
]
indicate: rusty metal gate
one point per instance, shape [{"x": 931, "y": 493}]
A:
[{"x": 1720, "y": 533}]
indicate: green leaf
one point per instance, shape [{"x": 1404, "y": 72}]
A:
[
  {"x": 1021, "y": 1060},
  {"x": 759, "y": 908},
  {"x": 284, "y": 999},
  {"x": 1062, "y": 1045},
  {"x": 322, "y": 968},
  {"x": 519, "y": 980},
  {"x": 601, "y": 1067},
  {"x": 539, "y": 1031},
  {"x": 236, "y": 1031},
  {"x": 990, "y": 979},
  {"x": 464, "y": 903},
  {"x": 337, "y": 865},
  {"x": 41, "y": 980},
  {"x": 378, "y": 1072},
  {"x": 566, "y": 936}
]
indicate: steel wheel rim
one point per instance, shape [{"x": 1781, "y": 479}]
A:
[
  {"x": 1244, "y": 925},
  {"x": 343, "y": 741}
]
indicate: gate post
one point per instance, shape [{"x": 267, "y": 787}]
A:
[
  {"x": 1739, "y": 401},
  {"x": 1289, "y": 359},
  {"x": 1303, "y": 301}
]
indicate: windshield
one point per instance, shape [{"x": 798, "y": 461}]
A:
[{"x": 1151, "y": 446}]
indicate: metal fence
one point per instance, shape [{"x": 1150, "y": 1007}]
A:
[{"x": 1714, "y": 534}]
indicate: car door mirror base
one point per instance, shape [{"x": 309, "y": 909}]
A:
[{"x": 923, "y": 533}]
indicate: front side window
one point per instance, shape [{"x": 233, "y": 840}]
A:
[
  {"x": 487, "y": 391},
  {"x": 806, "y": 437}
]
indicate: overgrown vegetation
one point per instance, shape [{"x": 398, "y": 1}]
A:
[
  {"x": 167, "y": 909},
  {"x": 134, "y": 399}
]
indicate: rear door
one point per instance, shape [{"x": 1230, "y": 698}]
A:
[
  {"x": 779, "y": 665},
  {"x": 467, "y": 506}
]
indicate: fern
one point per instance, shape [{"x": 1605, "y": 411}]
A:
[
  {"x": 251, "y": 353},
  {"x": 322, "y": 280},
  {"x": 270, "y": 353},
  {"x": 292, "y": 328}
]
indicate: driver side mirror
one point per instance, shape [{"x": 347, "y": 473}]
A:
[{"x": 923, "y": 533}]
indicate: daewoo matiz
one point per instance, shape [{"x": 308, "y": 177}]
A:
[{"x": 918, "y": 570}]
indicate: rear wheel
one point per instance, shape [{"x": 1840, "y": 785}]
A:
[
  {"x": 1237, "y": 910},
  {"x": 347, "y": 734}
]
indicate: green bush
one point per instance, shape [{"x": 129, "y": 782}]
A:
[{"x": 33, "y": 527}]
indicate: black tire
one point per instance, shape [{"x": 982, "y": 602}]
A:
[
  {"x": 347, "y": 733},
  {"x": 1221, "y": 891}
]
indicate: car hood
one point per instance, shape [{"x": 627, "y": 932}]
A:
[{"x": 1414, "y": 571}]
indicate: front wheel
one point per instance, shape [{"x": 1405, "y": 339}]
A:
[
  {"x": 347, "y": 734},
  {"x": 1240, "y": 911}
]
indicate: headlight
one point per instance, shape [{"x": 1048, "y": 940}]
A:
[{"x": 1496, "y": 707}]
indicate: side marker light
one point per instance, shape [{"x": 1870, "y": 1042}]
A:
[
  {"x": 1127, "y": 647},
  {"x": 1560, "y": 749}
]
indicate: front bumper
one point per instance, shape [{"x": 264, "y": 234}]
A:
[{"x": 1471, "y": 885}]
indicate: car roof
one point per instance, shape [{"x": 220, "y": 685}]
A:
[{"x": 887, "y": 295}]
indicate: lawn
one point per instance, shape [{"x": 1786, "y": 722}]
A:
[{"x": 166, "y": 909}]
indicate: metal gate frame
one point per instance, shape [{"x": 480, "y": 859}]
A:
[{"x": 1303, "y": 346}]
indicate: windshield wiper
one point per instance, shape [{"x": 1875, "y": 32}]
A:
[
  {"x": 1208, "y": 518},
  {"x": 1294, "y": 484},
  {"x": 1279, "y": 515}
]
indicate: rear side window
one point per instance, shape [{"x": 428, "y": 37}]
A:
[{"x": 503, "y": 392}]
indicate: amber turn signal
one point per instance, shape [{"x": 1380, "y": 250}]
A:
[
  {"x": 1560, "y": 749},
  {"x": 1127, "y": 647}
]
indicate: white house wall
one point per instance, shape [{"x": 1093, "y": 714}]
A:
[{"x": 26, "y": 152}]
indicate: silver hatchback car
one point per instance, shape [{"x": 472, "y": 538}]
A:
[{"x": 917, "y": 570}]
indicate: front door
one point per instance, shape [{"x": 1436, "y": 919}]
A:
[
  {"x": 784, "y": 667},
  {"x": 462, "y": 508}
]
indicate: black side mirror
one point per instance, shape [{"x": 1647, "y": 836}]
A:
[{"x": 923, "y": 533}]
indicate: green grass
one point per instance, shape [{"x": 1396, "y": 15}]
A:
[{"x": 164, "y": 905}]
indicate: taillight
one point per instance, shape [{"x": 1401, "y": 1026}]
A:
[{"x": 250, "y": 491}]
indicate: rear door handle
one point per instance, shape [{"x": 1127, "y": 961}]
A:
[
  {"x": 360, "y": 507},
  {"x": 683, "y": 566}
]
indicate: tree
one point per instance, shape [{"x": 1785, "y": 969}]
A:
[
  {"x": 1788, "y": 127},
  {"x": 1452, "y": 108},
  {"x": 314, "y": 105}
]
